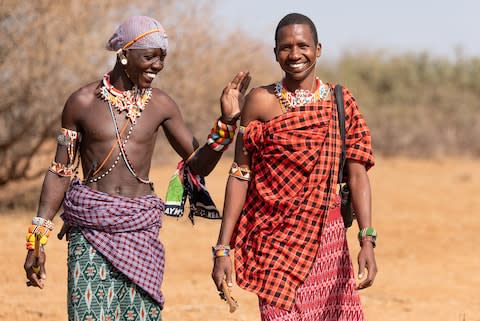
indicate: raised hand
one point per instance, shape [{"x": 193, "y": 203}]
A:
[{"x": 233, "y": 96}]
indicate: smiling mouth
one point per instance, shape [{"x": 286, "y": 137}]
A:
[
  {"x": 297, "y": 65},
  {"x": 150, "y": 75}
]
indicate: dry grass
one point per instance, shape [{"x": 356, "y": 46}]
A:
[{"x": 425, "y": 212}]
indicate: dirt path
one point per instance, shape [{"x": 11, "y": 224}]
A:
[{"x": 426, "y": 213}]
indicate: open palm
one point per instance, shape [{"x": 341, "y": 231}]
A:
[{"x": 233, "y": 95}]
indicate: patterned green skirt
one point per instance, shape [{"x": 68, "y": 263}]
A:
[{"x": 99, "y": 292}]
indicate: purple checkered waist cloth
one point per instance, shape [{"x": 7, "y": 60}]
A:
[{"x": 124, "y": 230}]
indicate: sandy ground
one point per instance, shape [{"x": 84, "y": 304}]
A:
[{"x": 426, "y": 213}]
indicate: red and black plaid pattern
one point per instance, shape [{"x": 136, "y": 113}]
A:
[
  {"x": 357, "y": 135},
  {"x": 124, "y": 230},
  {"x": 295, "y": 160}
]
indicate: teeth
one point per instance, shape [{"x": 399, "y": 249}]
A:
[
  {"x": 296, "y": 65},
  {"x": 150, "y": 75}
]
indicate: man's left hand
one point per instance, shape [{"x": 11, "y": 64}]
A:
[{"x": 233, "y": 96}]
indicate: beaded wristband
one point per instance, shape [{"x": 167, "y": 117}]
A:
[
  {"x": 41, "y": 227},
  {"x": 32, "y": 232},
  {"x": 368, "y": 239},
  {"x": 220, "y": 250},
  {"x": 40, "y": 221},
  {"x": 367, "y": 234},
  {"x": 221, "y": 136}
]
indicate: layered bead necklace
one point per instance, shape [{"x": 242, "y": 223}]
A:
[
  {"x": 133, "y": 102},
  {"x": 291, "y": 100}
]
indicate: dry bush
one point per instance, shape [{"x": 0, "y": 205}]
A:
[
  {"x": 416, "y": 105},
  {"x": 50, "y": 48}
]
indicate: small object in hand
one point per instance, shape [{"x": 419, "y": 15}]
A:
[
  {"x": 226, "y": 296},
  {"x": 36, "y": 264}
]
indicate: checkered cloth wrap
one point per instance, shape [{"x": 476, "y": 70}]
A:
[
  {"x": 124, "y": 230},
  {"x": 295, "y": 160}
]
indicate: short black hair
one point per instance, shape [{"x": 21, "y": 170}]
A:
[{"x": 297, "y": 19}]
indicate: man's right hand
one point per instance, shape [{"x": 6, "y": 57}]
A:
[
  {"x": 35, "y": 279},
  {"x": 222, "y": 270}
]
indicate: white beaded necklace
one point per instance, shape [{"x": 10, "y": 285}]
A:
[{"x": 301, "y": 97}]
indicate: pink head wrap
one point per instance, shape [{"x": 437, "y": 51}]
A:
[{"x": 138, "y": 32}]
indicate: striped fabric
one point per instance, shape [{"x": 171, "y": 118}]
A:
[
  {"x": 328, "y": 293},
  {"x": 295, "y": 160},
  {"x": 124, "y": 230}
]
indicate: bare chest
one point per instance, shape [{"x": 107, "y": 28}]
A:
[{"x": 100, "y": 123}]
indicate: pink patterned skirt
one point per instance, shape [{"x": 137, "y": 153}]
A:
[{"x": 328, "y": 293}]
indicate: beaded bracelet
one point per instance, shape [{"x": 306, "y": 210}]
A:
[
  {"x": 368, "y": 234},
  {"x": 32, "y": 232},
  {"x": 37, "y": 220},
  {"x": 220, "y": 250},
  {"x": 221, "y": 136},
  {"x": 368, "y": 239},
  {"x": 40, "y": 227}
]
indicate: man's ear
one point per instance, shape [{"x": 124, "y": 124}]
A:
[
  {"x": 275, "y": 53},
  {"x": 319, "y": 50}
]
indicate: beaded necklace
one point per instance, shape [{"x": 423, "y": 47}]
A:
[
  {"x": 289, "y": 101},
  {"x": 132, "y": 101}
]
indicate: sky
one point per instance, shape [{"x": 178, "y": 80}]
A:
[{"x": 438, "y": 27}]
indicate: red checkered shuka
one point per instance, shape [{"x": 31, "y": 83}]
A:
[
  {"x": 295, "y": 159},
  {"x": 124, "y": 230}
]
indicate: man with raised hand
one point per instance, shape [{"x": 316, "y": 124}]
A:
[{"x": 115, "y": 262}]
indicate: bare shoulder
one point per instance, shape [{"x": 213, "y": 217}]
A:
[
  {"x": 162, "y": 103},
  {"x": 80, "y": 103},
  {"x": 83, "y": 96},
  {"x": 260, "y": 103}
]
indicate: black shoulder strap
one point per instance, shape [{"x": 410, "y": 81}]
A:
[{"x": 338, "y": 91}]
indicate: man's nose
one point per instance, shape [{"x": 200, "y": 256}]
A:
[
  {"x": 157, "y": 64},
  {"x": 294, "y": 53}
]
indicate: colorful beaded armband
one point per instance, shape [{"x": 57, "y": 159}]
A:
[
  {"x": 60, "y": 169},
  {"x": 368, "y": 234},
  {"x": 220, "y": 250},
  {"x": 221, "y": 136},
  {"x": 70, "y": 139},
  {"x": 241, "y": 173}
]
